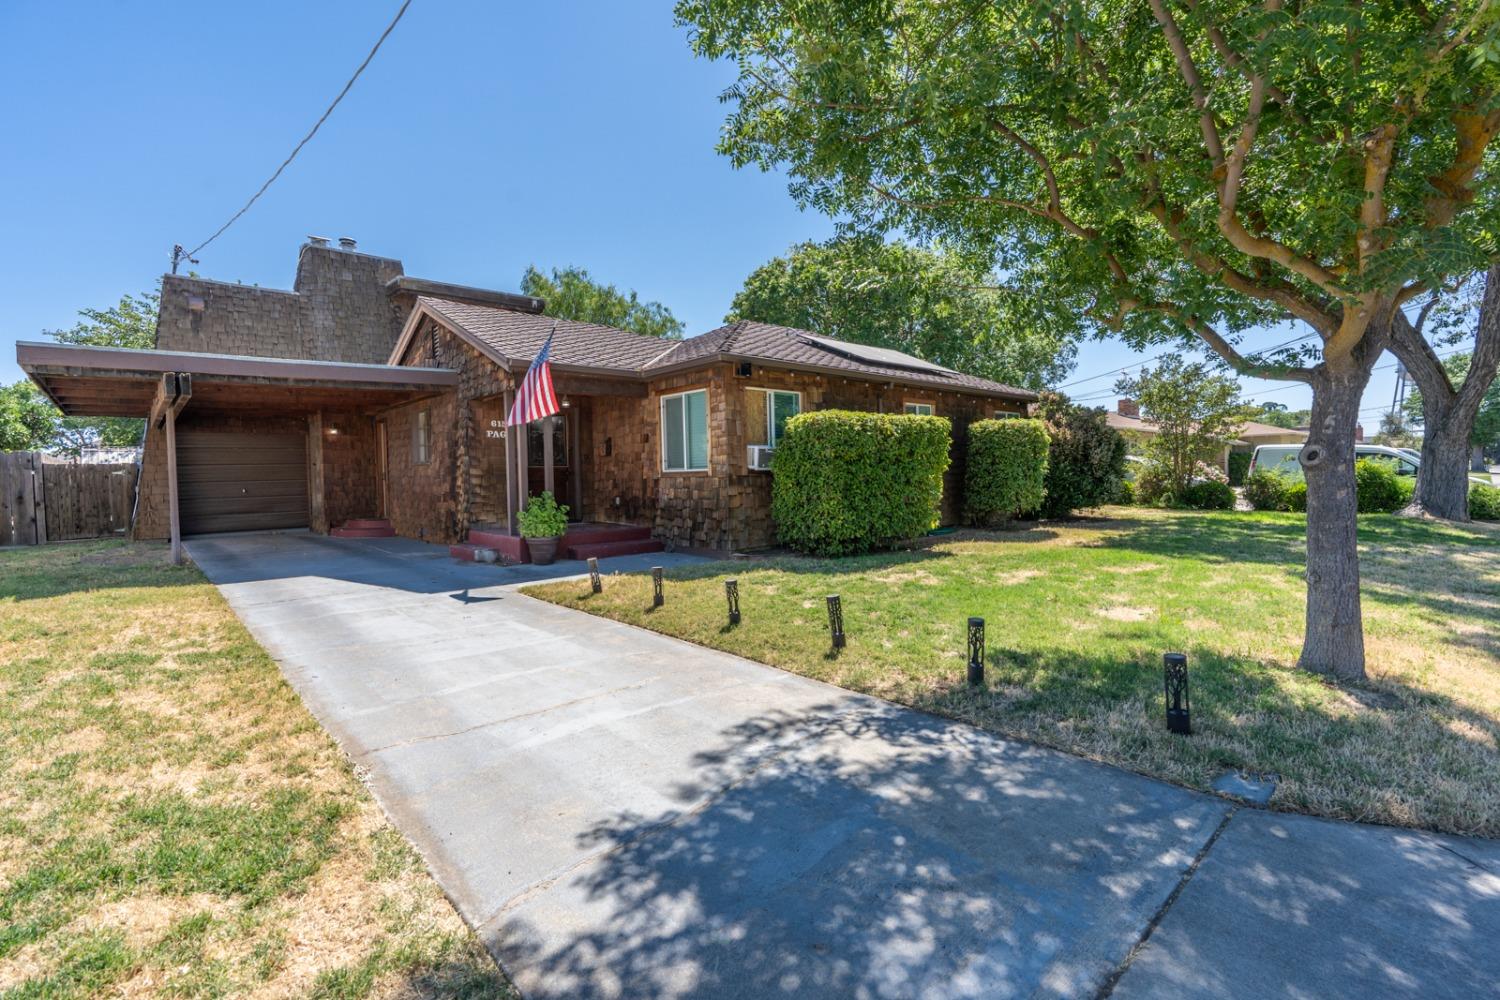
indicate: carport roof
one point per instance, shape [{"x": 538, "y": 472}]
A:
[{"x": 87, "y": 381}]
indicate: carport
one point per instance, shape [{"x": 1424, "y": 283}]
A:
[{"x": 237, "y": 443}]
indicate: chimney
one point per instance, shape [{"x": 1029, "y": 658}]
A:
[
  {"x": 1128, "y": 408},
  {"x": 347, "y": 243},
  {"x": 317, "y": 241},
  {"x": 1359, "y": 433}
]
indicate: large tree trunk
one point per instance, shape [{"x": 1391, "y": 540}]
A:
[
  {"x": 1448, "y": 413},
  {"x": 1334, "y": 641}
]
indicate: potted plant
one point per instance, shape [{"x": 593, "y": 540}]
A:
[{"x": 543, "y": 521}]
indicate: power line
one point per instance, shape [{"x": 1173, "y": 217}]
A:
[
  {"x": 178, "y": 253},
  {"x": 1154, "y": 357}
]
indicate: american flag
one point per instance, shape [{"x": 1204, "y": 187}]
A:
[{"x": 536, "y": 399}]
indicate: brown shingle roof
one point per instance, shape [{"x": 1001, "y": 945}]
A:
[
  {"x": 796, "y": 349},
  {"x": 517, "y": 336}
]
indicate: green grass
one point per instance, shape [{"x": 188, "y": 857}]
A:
[
  {"x": 173, "y": 822},
  {"x": 1079, "y": 613}
]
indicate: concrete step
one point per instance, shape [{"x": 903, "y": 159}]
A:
[
  {"x": 510, "y": 547},
  {"x": 589, "y": 534},
  {"x": 603, "y": 550}
]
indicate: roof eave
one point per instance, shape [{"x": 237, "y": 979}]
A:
[{"x": 1019, "y": 395}]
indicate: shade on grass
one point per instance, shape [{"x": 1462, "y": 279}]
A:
[{"x": 1079, "y": 614}]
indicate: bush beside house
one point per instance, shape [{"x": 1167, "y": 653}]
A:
[
  {"x": 1484, "y": 502},
  {"x": 1007, "y": 470},
  {"x": 1085, "y": 456},
  {"x": 848, "y": 482}
]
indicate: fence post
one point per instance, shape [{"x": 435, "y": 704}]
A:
[{"x": 39, "y": 496}]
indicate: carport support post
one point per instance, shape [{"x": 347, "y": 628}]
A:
[
  {"x": 511, "y": 433},
  {"x": 171, "y": 396}
]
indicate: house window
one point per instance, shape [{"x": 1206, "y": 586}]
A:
[
  {"x": 684, "y": 431},
  {"x": 1006, "y": 415},
  {"x": 421, "y": 438},
  {"x": 919, "y": 409},
  {"x": 536, "y": 455},
  {"x": 773, "y": 408}
]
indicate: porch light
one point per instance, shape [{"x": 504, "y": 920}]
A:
[
  {"x": 566, "y": 402},
  {"x": 1179, "y": 710},
  {"x": 976, "y": 652},
  {"x": 732, "y": 594},
  {"x": 657, "y": 599},
  {"x": 836, "y": 620}
]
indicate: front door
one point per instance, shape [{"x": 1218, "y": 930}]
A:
[{"x": 562, "y": 468}]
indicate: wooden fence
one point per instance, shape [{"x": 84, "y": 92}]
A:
[{"x": 48, "y": 501}]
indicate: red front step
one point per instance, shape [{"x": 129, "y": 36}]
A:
[
  {"x": 603, "y": 550},
  {"x": 364, "y": 527}
]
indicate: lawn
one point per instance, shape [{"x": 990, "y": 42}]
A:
[
  {"x": 1079, "y": 614},
  {"x": 172, "y": 820}
]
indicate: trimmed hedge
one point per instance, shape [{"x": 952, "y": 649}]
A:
[
  {"x": 846, "y": 482},
  {"x": 1484, "y": 502},
  {"x": 1296, "y": 496},
  {"x": 1377, "y": 490},
  {"x": 1209, "y": 495},
  {"x": 1086, "y": 457},
  {"x": 1007, "y": 469},
  {"x": 1265, "y": 490}
]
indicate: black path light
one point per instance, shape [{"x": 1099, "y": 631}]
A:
[
  {"x": 836, "y": 620},
  {"x": 595, "y": 584},
  {"x": 976, "y": 652},
  {"x": 1179, "y": 710},
  {"x": 657, "y": 598},
  {"x": 732, "y": 594}
]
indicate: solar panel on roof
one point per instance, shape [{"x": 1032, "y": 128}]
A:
[{"x": 878, "y": 355}]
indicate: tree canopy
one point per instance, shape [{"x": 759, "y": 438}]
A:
[
  {"x": 1196, "y": 412},
  {"x": 929, "y": 303},
  {"x": 572, "y": 294}
]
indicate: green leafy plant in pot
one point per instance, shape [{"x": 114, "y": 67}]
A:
[{"x": 543, "y": 521}]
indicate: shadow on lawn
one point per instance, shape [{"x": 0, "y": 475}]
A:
[{"x": 854, "y": 849}]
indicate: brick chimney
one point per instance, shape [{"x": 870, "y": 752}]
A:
[
  {"x": 1128, "y": 408},
  {"x": 1359, "y": 433}
]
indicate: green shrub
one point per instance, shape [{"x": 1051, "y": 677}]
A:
[
  {"x": 1239, "y": 465},
  {"x": 1210, "y": 495},
  {"x": 543, "y": 517},
  {"x": 1266, "y": 490},
  {"x": 1408, "y": 487},
  {"x": 846, "y": 482},
  {"x": 1085, "y": 457},
  {"x": 1296, "y": 496},
  {"x": 1007, "y": 469},
  {"x": 1153, "y": 485},
  {"x": 1376, "y": 488},
  {"x": 1484, "y": 502},
  {"x": 1124, "y": 493}
]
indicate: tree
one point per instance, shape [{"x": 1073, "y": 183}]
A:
[
  {"x": 1190, "y": 168},
  {"x": 929, "y": 303},
  {"x": 1450, "y": 399},
  {"x": 1486, "y": 430},
  {"x": 1197, "y": 413},
  {"x": 572, "y": 294},
  {"x": 1085, "y": 456},
  {"x": 129, "y": 323},
  {"x": 27, "y": 418},
  {"x": 1277, "y": 415},
  {"x": 1394, "y": 431}
]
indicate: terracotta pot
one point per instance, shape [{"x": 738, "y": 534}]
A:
[{"x": 543, "y": 550}]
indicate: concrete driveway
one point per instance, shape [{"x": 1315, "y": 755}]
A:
[{"x": 620, "y": 814}]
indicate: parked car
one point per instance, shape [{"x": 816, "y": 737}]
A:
[{"x": 1282, "y": 460}]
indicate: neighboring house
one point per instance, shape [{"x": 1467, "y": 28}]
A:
[
  {"x": 365, "y": 393},
  {"x": 1126, "y": 418}
]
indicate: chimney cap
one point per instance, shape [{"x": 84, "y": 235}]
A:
[
  {"x": 317, "y": 241},
  {"x": 347, "y": 243}
]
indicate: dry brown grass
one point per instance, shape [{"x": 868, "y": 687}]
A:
[{"x": 173, "y": 822}]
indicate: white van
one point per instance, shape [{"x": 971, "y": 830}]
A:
[{"x": 1282, "y": 460}]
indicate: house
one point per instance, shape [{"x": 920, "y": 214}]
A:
[
  {"x": 366, "y": 395},
  {"x": 1126, "y": 418}
]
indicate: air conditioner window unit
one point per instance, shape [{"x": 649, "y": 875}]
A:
[{"x": 759, "y": 458}]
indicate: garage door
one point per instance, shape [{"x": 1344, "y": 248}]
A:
[{"x": 241, "y": 482}]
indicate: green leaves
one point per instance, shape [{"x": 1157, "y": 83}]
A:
[
  {"x": 572, "y": 294},
  {"x": 1006, "y": 473}
]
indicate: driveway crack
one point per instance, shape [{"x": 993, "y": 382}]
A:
[{"x": 1108, "y": 987}]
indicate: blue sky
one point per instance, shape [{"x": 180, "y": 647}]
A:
[{"x": 483, "y": 138}]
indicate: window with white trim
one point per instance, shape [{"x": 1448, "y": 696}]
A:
[
  {"x": 780, "y": 406},
  {"x": 684, "y": 431},
  {"x": 421, "y": 438},
  {"x": 918, "y": 409},
  {"x": 1006, "y": 415}
]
